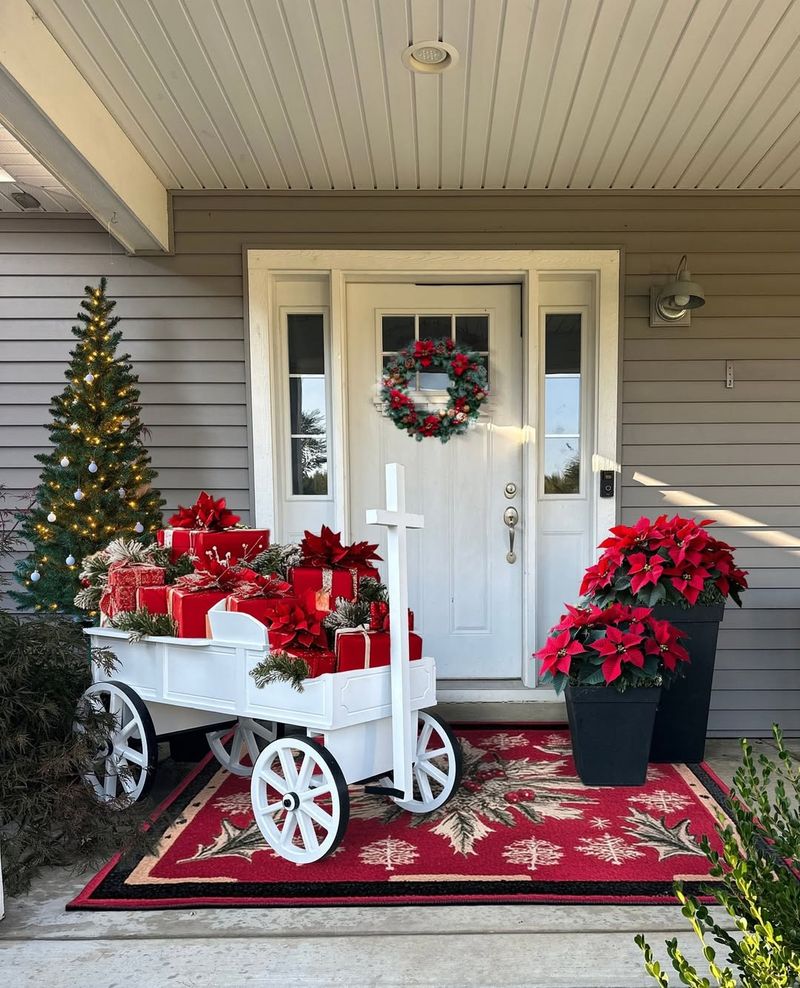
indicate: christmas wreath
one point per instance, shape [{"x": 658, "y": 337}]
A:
[{"x": 467, "y": 389}]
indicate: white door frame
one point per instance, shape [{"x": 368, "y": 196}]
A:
[{"x": 337, "y": 267}]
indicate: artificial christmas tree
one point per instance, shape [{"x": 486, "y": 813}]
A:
[{"x": 96, "y": 481}]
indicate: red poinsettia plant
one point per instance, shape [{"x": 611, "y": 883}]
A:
[
  {"x": 666, "y": 561},
  {"x": 326, "y": 550},
  {"x": 207, "y": 512},
  {"x": 618, "y": 646}
]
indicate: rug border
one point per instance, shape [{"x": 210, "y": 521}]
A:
[{"x": 83, "y": 901}]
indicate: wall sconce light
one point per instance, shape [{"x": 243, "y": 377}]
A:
[{"x": 672, "y": 304}]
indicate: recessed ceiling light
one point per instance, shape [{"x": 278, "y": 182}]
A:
[{"x": 429, "y": 56}]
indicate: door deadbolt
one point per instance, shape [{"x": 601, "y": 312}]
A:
[{"x": 510, "y": 489}]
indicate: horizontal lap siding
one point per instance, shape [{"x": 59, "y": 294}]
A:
[{"x": 687, "y": 442}]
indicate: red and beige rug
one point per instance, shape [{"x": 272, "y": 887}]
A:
[{"x": 522, "y": 828}]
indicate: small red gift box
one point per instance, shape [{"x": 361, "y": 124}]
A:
[
  {"x": 320, "y": 660},
  {"x": 189, "y": 610},
  {"x": 123, "y": 582},
  {"x": 379, "y": 617},
  {"x": 360, "y": 649},
  {"x": 257, "y": 607},
  {"x": 237, "y": 543},
  {"x": 152, "y": 599},
  {"x": 326, "y": 585}
]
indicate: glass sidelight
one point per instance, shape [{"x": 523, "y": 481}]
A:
[
  {"x": 307, "y": 403},
  {"x": 562, "y": 403}
]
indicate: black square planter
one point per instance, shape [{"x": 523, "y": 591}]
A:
[
  {"x": 682, "y": 719},
  {"x": 611, "y": 733}
]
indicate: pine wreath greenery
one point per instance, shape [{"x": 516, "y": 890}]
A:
[
  {"x": 467, "y": 390},
  {"x": 280, "y": 667},
  {"x": 96, "y": 480}
]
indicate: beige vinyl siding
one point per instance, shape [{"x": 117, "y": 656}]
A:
[{"x": 686, "y": 442}]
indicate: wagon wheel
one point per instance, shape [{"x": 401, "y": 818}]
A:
[
  {"x": 249, "y": 737},
  {"x": 124, "y": 768},
  {"x": 437, "y": 765},
  {"x": 300, "y": 799}
]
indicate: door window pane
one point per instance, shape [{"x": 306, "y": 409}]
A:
[
  {"x": 307, "y": 403},
  {"x": 562, "y": 403},
  {"x": 434, "y": 327},
  {"x": 306, "y": 343},
  {"x": 397, "y": 332},
  {"x": 473, "y": 332}
]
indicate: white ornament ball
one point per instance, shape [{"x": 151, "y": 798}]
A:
[
  {"x": 51, "y": 517},
  {"x": 64, "y": 461},
  {"x": 74, "y": 427},
  {"x": 89, "y": 378},
  {"x": 70, "y": 560},
  {"x": 122, "y": 492},
  {"x": 138, "y": 528},
  {"x": 35, "y": 576},
  {"x": 92, "y": 467},
  {"x": 126, "y": 423},
  {"x": 78, "y": 495}
]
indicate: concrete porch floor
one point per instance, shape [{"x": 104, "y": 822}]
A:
[{"x": 459, "y": 946}]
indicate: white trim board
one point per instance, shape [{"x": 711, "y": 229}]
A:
[{"x": 338, "y": 267}]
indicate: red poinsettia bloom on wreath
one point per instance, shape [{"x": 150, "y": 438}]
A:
[
  {"x": 460, "y": 363},
  {"x": 424, "y": 351}
]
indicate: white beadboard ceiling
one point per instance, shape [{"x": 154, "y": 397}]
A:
[
  {"x": 28, "y": 175},
  {"x": 559, "y": 94}
]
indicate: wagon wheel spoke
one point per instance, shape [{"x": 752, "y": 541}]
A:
[
  {"x": 252, "y": 746},
  {"x": 436, "y": 753},
  {"x": 424, "y": 785},
  {"x": 304, "y": 775},
  {"x": 110, "y": 780},
  {"x": 424, "y": 738},
  {"x": 433, "y": 772},
  {"x": 307, "y": 832},
  {"x": 127, "y": 782},
  {"x": 318, "y": 815},
  {"x": 289, "y": 828},
  {"x": 274, "y": 780},
  {"x": 127, "y": 730},
  {"x": 131, "y": 755},
  {"x": 288, "y": 767}
]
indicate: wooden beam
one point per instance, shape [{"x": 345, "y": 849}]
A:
[{"x": 50, "y": 108}]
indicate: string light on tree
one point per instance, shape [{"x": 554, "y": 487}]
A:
[{"x": 78, "y": 510}]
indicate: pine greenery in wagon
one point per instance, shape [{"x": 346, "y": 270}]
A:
[{"x": 280, "y": 667}]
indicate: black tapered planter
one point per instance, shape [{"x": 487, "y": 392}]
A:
[
  {"x": 682, "y": 719},
  {"x": 611, "y": 733}
]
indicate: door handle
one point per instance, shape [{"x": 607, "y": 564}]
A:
[{"x": 511, "y": 519}]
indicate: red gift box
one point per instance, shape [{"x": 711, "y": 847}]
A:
[
  {"x": 320, "y": 660},
  {"x": 152, "y": 599},
  {"x": 257, "y": 607},
  {"x": 379, "y": 617},
  {"x": 325, "y": 585},
  {"x": 357, "y": 648},
  {"x": 189, "y": 609},
  {"x": 237, "y": 543},
  {"x": 123, "y": 582}
]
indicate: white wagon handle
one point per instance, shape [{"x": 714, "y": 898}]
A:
[{"x": 397, "y": 521}]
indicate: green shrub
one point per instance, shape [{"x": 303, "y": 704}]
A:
[{"x": 758, "y": 884}]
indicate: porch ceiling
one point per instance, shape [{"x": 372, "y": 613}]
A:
[
  {"x": 312, "y": 94},
  {"x": 28, "y": 175}
]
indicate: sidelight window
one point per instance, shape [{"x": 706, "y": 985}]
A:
[
  {"x": 562, "y": 403},
  {"x": 308, "y": 403}
]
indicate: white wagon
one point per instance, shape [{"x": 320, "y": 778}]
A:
[{"x": 369, "y": 726}]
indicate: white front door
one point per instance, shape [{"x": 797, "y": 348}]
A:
[{"x": 465, "y": 592}]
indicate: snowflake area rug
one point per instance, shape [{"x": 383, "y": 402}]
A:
[{"x": 521, "y": 828}]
